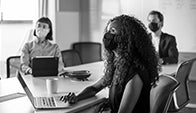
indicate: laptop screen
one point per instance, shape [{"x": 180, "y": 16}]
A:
[{"x": 45, "y": 66}]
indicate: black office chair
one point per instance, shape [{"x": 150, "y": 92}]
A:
[
  {"x": 12, "y": 64},
  {"x": 161, "y": 94},
  {"x": 181, "y": 97},
  {"x": 71, "y": 57},
  {"x": 89, "y": 51}
]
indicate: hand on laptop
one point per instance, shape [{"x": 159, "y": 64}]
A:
[
  {"x": 28, "y": 71},
  {"x": 71, "y": 98},
  {"x": 63, "y": 73}
]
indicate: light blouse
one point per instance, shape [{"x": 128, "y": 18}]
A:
[{"x": 36, "y": 48}]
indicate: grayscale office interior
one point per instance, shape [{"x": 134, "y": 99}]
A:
[{"x": 78, "y": 29}]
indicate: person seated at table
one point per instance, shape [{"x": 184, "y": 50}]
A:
[
  {"x": 41, "y": 45},
  {"x": 131, "y": 67},
  {"x": 164, "y": 43}
]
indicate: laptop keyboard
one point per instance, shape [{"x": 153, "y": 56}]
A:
[{"x": 45, "y": 101}]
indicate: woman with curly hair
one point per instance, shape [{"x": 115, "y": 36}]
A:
[{"x": 131, "y": 67}]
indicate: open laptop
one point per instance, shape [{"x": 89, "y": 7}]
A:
[
  {"x": 43, "y": 102},
  {"x": 45, "y": 66}
]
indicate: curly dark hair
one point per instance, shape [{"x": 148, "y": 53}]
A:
[{"x": 135, "y": 49}]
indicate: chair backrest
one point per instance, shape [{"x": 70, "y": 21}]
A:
[
  {"x": 71, "y": 57},
  {"x": 12, "y": 64},
  {"x": 89, "y": 51},
  {"x": 161, "y": 94},
  {"x": 181, "y": 96}
]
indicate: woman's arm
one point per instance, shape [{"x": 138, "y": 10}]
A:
[
  {"x": 131, "y": 94},
  {"x": 88, "y": 92},
  {"x": 25, "y": 61},
  {"x": 92, "y": 90},
  {"x": 59, "y": 55}
]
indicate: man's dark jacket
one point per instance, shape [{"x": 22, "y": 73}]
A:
[{"x": 168, "y": 49}]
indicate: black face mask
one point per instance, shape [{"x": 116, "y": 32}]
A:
[
  {"x": 109, "y": 41},
  {"x": 153, "y": 26}
]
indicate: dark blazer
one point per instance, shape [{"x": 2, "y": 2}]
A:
[{"x": 168, "y": 49}]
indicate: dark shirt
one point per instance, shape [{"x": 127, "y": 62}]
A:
[
  {"x": 143, "y": 103},
  {"x": 168, "y": 49}
]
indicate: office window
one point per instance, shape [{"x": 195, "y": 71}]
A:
[{"x": 18, "y": 9}]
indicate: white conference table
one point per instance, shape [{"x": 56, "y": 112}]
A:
[{"x": 38, "y": 88}]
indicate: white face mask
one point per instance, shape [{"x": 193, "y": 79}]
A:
[
  {"x": 41, "y": 33},
  {"x": 42, "y": 30}
]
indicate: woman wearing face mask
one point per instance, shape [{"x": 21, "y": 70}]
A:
[
  {"x": 131, "y": 68},
  {"x": 40, "y": 46},
  {"x": 164, "y": 43}
]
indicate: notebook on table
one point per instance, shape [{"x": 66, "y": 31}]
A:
[{"x": 45, "y": 66}]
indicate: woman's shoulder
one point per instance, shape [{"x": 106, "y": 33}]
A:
[
  {"x": 53, "y": 45},
  {"x": 132, "y": 72},
  {"x": 143, "y": 74},
  {"x": 30, "y": 43}
]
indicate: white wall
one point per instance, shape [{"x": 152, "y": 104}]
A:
[
  {"x": 12, "y": 37},
  {"x": 67, "y": 29},
  {"x": 179, "y": 19},
  {"x": 180, "y": 16},
  {"x": 67, "y": 22}
]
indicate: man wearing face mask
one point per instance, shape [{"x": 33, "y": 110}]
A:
[{"x": 164, "y": 43}]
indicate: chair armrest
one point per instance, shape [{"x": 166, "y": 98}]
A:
[{"x": 173, "y": 74}]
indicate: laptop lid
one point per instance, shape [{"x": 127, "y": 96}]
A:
[
  {"x": 45, "y": 66},
  {"x": 26, "y": 89},
  {"x": 59, "y": 104},
  {"x": 86, "y": 103}
]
